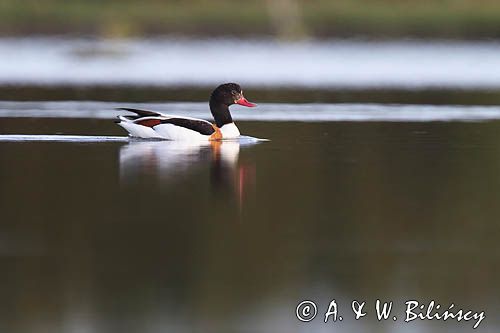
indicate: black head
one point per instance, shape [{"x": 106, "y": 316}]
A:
[{"x": 229, "y": 94}]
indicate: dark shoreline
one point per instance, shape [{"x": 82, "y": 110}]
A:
[{"x": 128, "y": 93}]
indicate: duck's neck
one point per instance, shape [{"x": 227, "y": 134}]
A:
[{"x": 221, "y": 113}]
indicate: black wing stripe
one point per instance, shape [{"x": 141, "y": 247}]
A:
[
  {"x": 199, "y": 126},
  {"x": 131, "y": 117},
  {"x": 142, "y": 113}
]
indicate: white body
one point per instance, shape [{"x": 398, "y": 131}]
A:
[
  {"x": 138, "y": 131},
  {"x": 230, "y": 131},
  {"x": 173, "y": 132}
]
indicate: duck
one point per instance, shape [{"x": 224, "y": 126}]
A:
[{"x": 155, "y": 125}]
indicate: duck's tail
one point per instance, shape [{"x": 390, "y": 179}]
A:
[
  {"x": 126, "y": 119},
  {"x": 136, "y": 130}
]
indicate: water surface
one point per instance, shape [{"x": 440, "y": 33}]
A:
[
  {"x": 172, "y": 62},
  {"x": 306, "y": 112},
  {"x": 144, "y": 236}
]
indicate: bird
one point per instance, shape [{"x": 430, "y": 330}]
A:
[{"x": 155, "y": 125}]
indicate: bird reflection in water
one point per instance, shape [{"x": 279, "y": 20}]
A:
[
  {"x": 227, "y": 176},
  {"x": 166, "y": 162}
]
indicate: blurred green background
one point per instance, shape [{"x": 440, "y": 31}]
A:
[{"x": 294, "y": 19}]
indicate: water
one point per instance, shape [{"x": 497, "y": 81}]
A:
[
  {"x": 172, "y": 62},
  {"x": 121, "y": 235},
  {"x": 312, "y": 112}
]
